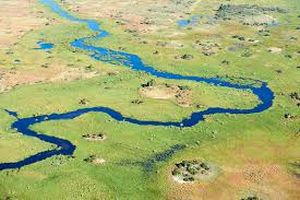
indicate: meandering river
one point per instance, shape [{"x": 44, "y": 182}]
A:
[{"x": 134, "y": 62}]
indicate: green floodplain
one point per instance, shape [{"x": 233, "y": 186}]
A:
[{"x": 256, "y": 155}]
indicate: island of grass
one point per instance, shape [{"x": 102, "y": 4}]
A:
[{"x": 94, "y": 137}]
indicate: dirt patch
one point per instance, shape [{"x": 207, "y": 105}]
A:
[
  {"x": 169, "y": 44},
  {"x": 95, "y": 160},
  {"x": 259, "y": 169},
  {"x": 12, "y": 78},
  {"x": 17, "y": 18},
  {"x": 274, "y": 50},
  {"x": 265, "y": 181},
  {"x": 182, "y": 95},
  {"x": 251, "y": 182}
]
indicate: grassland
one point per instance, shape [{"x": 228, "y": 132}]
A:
[{"x": 254, "y": 152}]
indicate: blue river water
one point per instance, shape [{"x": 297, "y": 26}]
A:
[
  {"x": 134, "y": 62},
  {"x": 188, "y": 22},
  {"x": 44, "y": 46}
]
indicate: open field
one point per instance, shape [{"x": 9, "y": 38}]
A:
[{"x": 250, "y": 156}]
